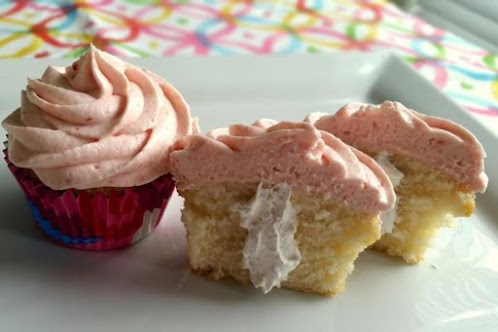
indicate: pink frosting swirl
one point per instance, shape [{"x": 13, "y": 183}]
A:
[
  {"x": 391, "y": 126},
  {"x": 296, "y": 153},
  {"x": 98, "y": 123}
]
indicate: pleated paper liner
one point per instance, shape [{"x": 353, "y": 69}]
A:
[{"x": 94, "y": 219}]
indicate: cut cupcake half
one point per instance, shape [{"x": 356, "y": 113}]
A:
[
  {"x": 278, "y": 205},
  {"x": 436, "y": 167}
]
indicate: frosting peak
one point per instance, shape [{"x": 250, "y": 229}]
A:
[
  {"x": 100, "y": 122},
  {"x": 295, "y": 153}
]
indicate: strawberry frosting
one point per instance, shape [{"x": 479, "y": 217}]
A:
[
  {"x": 98, "y": 123},
  {"x": 271, "y": 153},
  {"x": 394, "y": 128}
]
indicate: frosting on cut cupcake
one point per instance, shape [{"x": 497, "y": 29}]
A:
[
  {"x": 98, "y": 123},
  {"x": 440, "y": 143},
  {"x": 295, "y": 153}
]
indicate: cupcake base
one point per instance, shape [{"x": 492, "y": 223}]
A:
[
  {"x": 329, "y": 237},
  {"x": 95, "y": 220}
]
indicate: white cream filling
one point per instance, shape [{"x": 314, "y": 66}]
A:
[
  {"x": 270, "y": 252},
  {"x": 388, "y": 218}
]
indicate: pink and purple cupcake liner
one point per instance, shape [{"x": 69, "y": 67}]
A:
[{"x": 94, "y": 220}]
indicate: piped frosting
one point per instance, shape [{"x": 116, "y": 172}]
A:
[
  {"x": 390, "y": 126},
  {"x": 100, "y": 122},
  {"x": 295, "y": 153}
]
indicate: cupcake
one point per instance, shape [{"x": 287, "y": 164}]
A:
[
  {"x": 436, "y": 167},
  {"x": 89, "y": 147},
  {"x": 278, "y": 204}
]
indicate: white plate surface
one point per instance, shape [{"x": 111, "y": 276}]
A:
[{"x": 148, "y": 287}]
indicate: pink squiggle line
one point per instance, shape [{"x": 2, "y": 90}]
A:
[
  {"x": 265, "y": 48},
  {"x": 186, "y": 9},
  {"x": 115, "y": 51},
  {"x": 166, "y": 32},
  {"x": 101, "y": 32},
  {"x": 357, "y": 13},
  {"x": 446, "y": 45},
  {"x": 441, "y": 74},
  {"x": 483, "y": 111},
  {"x": 188, "y": 39},
  {"x": 397, "y": 13},
  {"x": 397, "y": 47},
  {"x": 243, "y": 46},
  {"x": 185, "y": 40},
  {"x": 223, "y": 31},
  {"x": 199, "y": 49},
  {"x": 418, "y": 28},
  {"x": 433, "y": 62},
  {"x": 181, "y": 8},
  {"x": 459, "y": 48},
  {"x": 38, "y": 7},
  {"x": 474, "y": 62},
  {"x": 217, "y": 38},
  {"x": 270, "y": 42},
  {"x": 324, "y": 32},
  {"x": 144, "y": 11},
  {"x": 98, "y": 3},
  {"x": 419, "y": 25},
  {"x": 464, "y": 57},
  {"x": 348, "y": 45},
  {"x": 394, "y": 11},
  {"x": 244, "y": 10}
]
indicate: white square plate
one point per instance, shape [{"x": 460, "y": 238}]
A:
[{"x": 148, "y": 287}]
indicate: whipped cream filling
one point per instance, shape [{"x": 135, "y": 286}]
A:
[
  {"x": 388, "y": 218},
  {"x": 270, "y": 252}
]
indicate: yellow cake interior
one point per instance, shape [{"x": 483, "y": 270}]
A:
[
  {"x": 428, "y": 201},
  {"x": 329, "y": 237}
]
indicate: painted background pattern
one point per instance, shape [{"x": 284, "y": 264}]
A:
[{"x": 60, "y": 28}]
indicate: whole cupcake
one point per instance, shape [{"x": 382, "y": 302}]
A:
[{"x": 89, "y": 147}]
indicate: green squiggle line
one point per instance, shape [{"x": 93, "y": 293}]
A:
[
  {"x": 134, "y": 50},
  {"x": 76, "y": 53},
  {"x": 491, "y": 60}
]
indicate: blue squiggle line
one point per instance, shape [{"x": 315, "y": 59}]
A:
[
  {"x": 480, "y": 76},
  {"x": 69, "y": 18},
  {"x": 493, "y": 107},
  {"x": 55, "y": 233},
  {"x": 294, "y": 44},
  {"x": 258, "y": 20},
  {"x": 317, "y": 5},
  {"x": 206, "y": 42},
  {"x": 417, "y": 46},
  {"x": 55, "y": 3}
]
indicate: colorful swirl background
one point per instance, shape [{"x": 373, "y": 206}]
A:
[{"x": 60, "y": 28}]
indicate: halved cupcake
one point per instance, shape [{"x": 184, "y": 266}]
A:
[
  {"x": 89, "y": 148},
  {"x": 435, "y": 165},
  {"x": 278, "y": 205}
]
